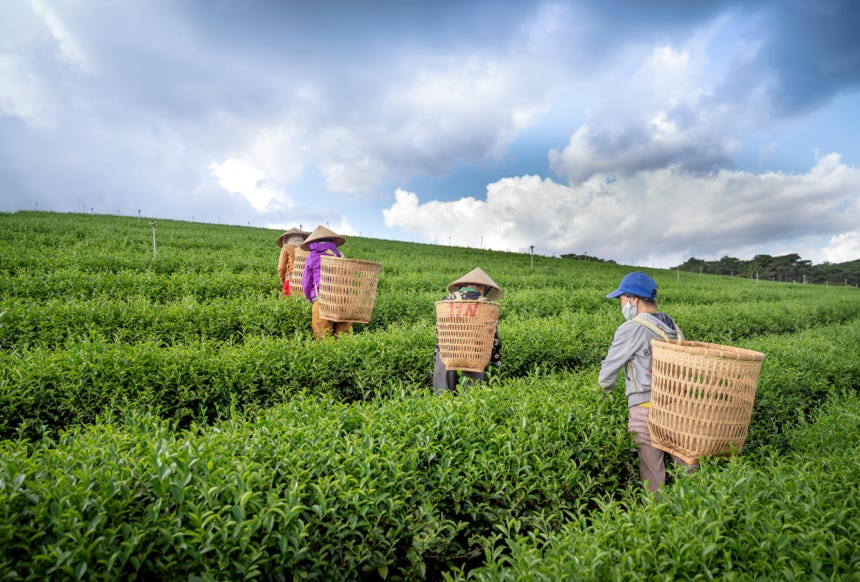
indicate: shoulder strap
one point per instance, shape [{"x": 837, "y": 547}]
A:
[
  {"x": 641, "y": 320},
  {"x": 657, "y": 330}
]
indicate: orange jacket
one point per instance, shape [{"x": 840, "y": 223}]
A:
[{"x": 285, "y": 262}]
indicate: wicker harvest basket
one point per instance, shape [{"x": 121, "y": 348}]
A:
[
  {"x": 701, "y": 398},
  {"x": 296, "y": 273},
  {"x": 347, "y": 288},
  {"x": 465, "y": 330}
]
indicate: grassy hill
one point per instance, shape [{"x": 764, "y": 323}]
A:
[{"x": 168, "y": 415}]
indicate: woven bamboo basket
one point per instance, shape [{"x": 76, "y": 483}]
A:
[
  {"x": 347, "y": 288},
  {"x": 465, "y": 330},
  {"x": 296, "y": 274},
  {"x": 701, "y": 397}
]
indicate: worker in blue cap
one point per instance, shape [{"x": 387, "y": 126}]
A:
[{"x": 631, "y": 350}]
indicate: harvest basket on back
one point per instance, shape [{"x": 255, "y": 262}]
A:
[
  {"x": 465, "y": 330},
  {"x": 701, "y": 397},
  {"x": 347, "y": 288},
  {"x": 296, "y": 273}
]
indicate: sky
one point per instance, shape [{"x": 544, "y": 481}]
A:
[{"x": 637, "y": 131}]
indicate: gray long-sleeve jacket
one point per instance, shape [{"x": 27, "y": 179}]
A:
[{"x": 632, "y": 343}]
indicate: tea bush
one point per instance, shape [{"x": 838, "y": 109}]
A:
[
  {"x": 782, "y": 518},
  {"x": 46, "y": 390},
  {"x": 310, "y": 488},
  {"x": 801, "y": 371}
]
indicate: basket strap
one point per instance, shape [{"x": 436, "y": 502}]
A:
[
  {"x": 651, "y": 326},
  {"x": 629, "y": 366},
  {"x": 329, "y": 253},
  {"x": 657, "y": 330}
]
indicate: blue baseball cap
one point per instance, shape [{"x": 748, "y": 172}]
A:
[{"x": 636, "y": 283}]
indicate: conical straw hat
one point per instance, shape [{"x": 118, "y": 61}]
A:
[
  {"x": 322, "y": 233},
  {"x": 292, "y": 232},
  {"x": 478, "y": 277}
]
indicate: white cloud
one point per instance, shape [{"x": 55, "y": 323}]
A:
[
  {"x": 428, "y": 115},
  {"x": 272, "y": 160},
  {"x": 843, "y": 247},
  {"x": 664, "y": 112},
  {"x": 22, "y": 93},
  {"x": 277, "y": 152},
  {"x": 241, "y": 176},
  {"x": 460, "y": 222},
  {"x": 70, "y": 50},
  {"x": 656, "y": 217},
  {"x": 237, "y": 175},
  {"x": 464, "y": 106},
  {"x": 347, "y": 161}
]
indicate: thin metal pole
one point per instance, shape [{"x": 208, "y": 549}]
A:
[{"x": 152, "y": 224}]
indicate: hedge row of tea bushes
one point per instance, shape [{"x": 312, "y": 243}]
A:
[
  {"x": 201, "y": 381},
  {"x": 801, "y": 371},
  {"x": 45, "y": 390},
  {"x": 48, "y": 255},
  {"x": 311, "y": 488},
  {"x": 76, "y": 284},
  {"x": 117, "y": 253},
  {"x": 789, "y": 517},
  {"x": 110, "y": 244},
  {"x": 60, "y": 322},
  {"x": 63, "y": 271}
]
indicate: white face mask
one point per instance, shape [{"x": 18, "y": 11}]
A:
[{"x": 629, "y": 310}]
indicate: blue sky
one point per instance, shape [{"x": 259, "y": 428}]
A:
[{"x": 643, "y": 132}]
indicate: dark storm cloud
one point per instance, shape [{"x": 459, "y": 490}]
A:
[
  {"x": 793, "y": 57},
  {"x": 810, "y": 49}
]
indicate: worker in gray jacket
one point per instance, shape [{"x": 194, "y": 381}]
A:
[{"x": 631, "y": 350}]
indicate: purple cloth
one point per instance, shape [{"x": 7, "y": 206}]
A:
[{"x": 311, "y": 274}]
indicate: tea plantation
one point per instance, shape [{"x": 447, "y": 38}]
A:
[{"x": 168, "y": 416}]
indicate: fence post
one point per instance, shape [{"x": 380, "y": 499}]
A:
[{"x": 152, "y": 224}]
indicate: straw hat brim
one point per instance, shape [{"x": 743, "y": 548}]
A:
[
  {"x": 292, "y": 232},
  {"x": 478, "y": 277},
  {"x": 322, "y": 233}
]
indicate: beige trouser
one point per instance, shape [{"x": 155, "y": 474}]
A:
[
  {"x": 652, "y": 468},
  {"x": 325, "y": 327}
]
